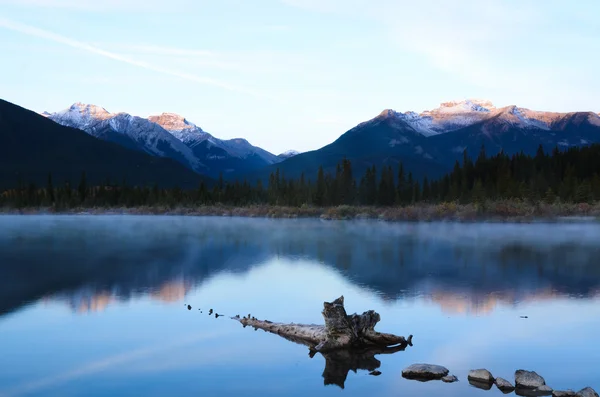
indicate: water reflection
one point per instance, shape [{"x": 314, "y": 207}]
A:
[
  {"x": 92, "y": 262},
  {"x": 460, "y": 289},
  {"x": 339, "y": 363}
]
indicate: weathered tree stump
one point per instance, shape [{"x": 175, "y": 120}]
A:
[{"x": 341, "y": 331}]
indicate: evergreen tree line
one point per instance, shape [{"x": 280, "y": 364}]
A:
[{"x": 569, "y": 176}]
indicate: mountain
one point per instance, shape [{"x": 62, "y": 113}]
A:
[
  {"x": 32, "y": 146},
  {"x": 287, "y": 154},
  {"x": 512, "y": 130},
  {"x": 429, "y": 143},
  {"x": 167, "y": 135},
  {"x": 129, "y": 131},
  {"x": 221, "y": 156}
]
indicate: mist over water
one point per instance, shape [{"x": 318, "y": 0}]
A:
[{"x": 94, "y": 305}]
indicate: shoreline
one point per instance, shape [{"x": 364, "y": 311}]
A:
[{"x": 501, "y": 211}]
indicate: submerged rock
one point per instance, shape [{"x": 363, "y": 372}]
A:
[
  {"x": 544, "y": 390},
  {"x": 480, "y": 385},
  {"x": 528, "y": 379},
  {"x": 450, "y": 379},
  {"x": 564, "y": 393},
  {"x": 537, "y": 392},
  {"x": 504, "y": 386},
  {"x": 481, "y": 375},
  {"x": 424, "y": 372},
  {"x": 587, "y": 392}
]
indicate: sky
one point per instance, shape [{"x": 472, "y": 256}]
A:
[{"x": 296, "y": 74}]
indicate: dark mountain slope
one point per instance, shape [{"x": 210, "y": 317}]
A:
[
  {"x": 503, "y": 132},
  {"x": 392, "y": 137},
  {"x": 31, "y": 146},
  {"x": 382, "y": 141}
]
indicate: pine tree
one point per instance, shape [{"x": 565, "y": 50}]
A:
[
  {"x": 320, "y": 188},
  {"x": 410, "y": 189},
  {"x": 50, "y": 190},
  {"x": 82, "y": 188},
  {"x": 426, "y": 195},
  {"x": 401, "y": 187}
]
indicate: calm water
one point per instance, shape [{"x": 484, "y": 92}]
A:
[{"x": 94, "y": 306}]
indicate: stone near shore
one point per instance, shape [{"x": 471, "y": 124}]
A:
[
  {"x": 424, "y": 372},
  {"x": 450, "y": 379},
  {"x": 528, "y": 379},
  {"x": 564, "y": 393},
  {"x": 587, "y": 392},
  {"x": 504, "y": 386},
  {"x": 481, "y": 375}
]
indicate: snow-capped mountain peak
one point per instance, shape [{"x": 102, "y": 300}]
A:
[
  {"x": 131, "y": 131},
  {"x": 173, "y": 122},
  {"x": 467, "y": 105},
  {"x": 447, "y": 117},
  {"x": 288, "y": 153},
  {"x": 89, "y": 110}
]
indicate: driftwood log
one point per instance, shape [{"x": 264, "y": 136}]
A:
[{"x": 341, "y": 331}]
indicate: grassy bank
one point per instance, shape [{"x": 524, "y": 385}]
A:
[{"x": 513, "y": 210}]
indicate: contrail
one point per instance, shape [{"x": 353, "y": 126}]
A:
[{"x": 57, "y": 38}]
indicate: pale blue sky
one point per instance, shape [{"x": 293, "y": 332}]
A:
[{"x": 295, "y": 74}]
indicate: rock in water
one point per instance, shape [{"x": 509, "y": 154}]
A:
[
  {"x": 587, "y": 392},
  {"x": 424, "y": 372},
  {"x": 544, "y": 390},
  {"x": 480, "y": 385},
  {"x": 504, "y": 385},
  {"x": 563, "y": 393},
  {"x": 481, "y": 375},
  {"x": 450, "y": 379},
  {"x": 528, "y": 379}
]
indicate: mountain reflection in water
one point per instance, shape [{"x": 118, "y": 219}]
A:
[
  {"x": 100, "y": 303},
  {"x": 91, "y": 262}
]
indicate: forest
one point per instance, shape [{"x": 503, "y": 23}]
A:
[{"x": 568, "y": 176}]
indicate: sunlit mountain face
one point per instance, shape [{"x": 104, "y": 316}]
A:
[{"x": 167, "y": 135}]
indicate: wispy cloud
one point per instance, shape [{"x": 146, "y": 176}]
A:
[
  {"x": 161, "y": 50},
  {"x": 141, "y": 354},
  {"x": 505, "y": 46},
  {"x": 57, "y": 38},
  {"x": 104, "y": 5},
  {"x": 191, "y": 57},
  {"x": 247, "y": 62}
]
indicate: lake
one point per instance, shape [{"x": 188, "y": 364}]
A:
[{"x": 96, "y": 305}]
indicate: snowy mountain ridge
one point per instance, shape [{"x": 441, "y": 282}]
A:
[
  {"x": 288, "y": 153},
  {"x": 166, "y": 135},
  {"x": 192, "y": 135},
  {"x": 453, "y": 115},
  {"x": 132, "y": 131}
]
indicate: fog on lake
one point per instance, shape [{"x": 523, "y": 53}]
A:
[{"x": 96, "y": 305}]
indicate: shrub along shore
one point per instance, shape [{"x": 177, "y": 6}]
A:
[{"x": 504, "y": 210}]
